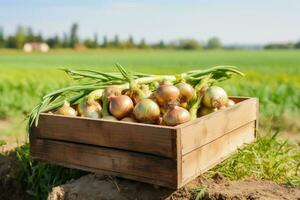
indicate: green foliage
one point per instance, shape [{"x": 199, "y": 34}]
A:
[
  {"x": 187, "y": 44},
  {"x": 280, "y": 46},
  {"x": 268, "y": 158},
  {"x": 2, "y": 39},
  {"x": 214, "y": 43},
  {"x": 38, "y": 177},
  {"x": 74, "y": 39},
  {"x": 2, "y": 142}
]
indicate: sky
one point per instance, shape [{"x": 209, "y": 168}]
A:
[{"x": 233, "y": 21}]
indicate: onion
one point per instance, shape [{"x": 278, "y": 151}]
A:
[
  {"x": 176, "y": 116},
  {"x": 90, "y": 109},
  {"x": 186, "y": 91},
  {"x": 120, "y": 106},
  {"x": 222, "y": 107},
  {"x": 166, "y": 93},
  {"x": 230, "y": 103},
  {"x": 215, "y": 97},
  {"x": 146, "y": 111},
  {"x": 128, "y": 119},
  {"x": 109, "y": 117},
  {"x": 204, "y": 111},
  {"x": 66, "y": 109}
]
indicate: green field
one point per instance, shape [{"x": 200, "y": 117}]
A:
[{"x": 273, "y": 76}]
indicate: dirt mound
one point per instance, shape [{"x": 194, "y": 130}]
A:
[
  {"x": 220, "y": 188},
  {"x": 10, "y": 186},
  {"x": 108, "y": 188}
]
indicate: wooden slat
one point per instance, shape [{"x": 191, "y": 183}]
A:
[
  {"x": 203, "y": 158},
  {"x": 206, "y": 129},
  {"x": 154, "y": 140},
  {"x": 133, "y": 165}
]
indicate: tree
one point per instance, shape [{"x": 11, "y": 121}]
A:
[
  {"x": 96, "y": 40},
  {"x": 297, "y": 45},
  {"x": 104, "y": 43},
  {"x": 129, "y": 43},
  {"x": 54, "y": 42},
  {"x": 142, "y": 44},
  {"x": 188, "y": 44},
  {"x": 65, "y": 41},
  {"x": 214, "y": 43},
  {"x": 20, "y": 37},
  {"x": 2, "y": 39},
  {"x": 116, "y": 42},
  {"x": 74, "y": 39},
  {"x": 30, "y": 35}
]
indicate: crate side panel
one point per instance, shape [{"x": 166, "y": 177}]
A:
[
  {"x": 128, "y": 136},
  {"x": 213, "y": 126},
  {"x": 129, "y": 164},
  {"x": 207, "y": 156}
]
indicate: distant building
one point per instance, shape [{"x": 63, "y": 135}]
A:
[{"x": 35, "y": 46}]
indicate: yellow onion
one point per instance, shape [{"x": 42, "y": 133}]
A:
[
  {"x": 215, "y": 97},
  {"x": 222, "y": 107},
  {"x": 166, "y": 93},
  {"x": 66, "y": 109},
  {"x": 230, "y": 103},
  {"x": 128, "y": 119},
  {"x": 147, "y": 111},
  {"x": 204, "y": 111},
  {"x": 120, "y": 106},
  {"x": 186, "y": 92},
  {"x": 176, "y": 116},
  {"x": 90, "y": 109},
  {"x": 109, "y": 117}
]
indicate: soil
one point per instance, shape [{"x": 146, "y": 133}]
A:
[
  {"x": 10, "y": 186},
  {"x": 217, "y": 188}
]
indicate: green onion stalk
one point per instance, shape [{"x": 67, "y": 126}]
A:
[{"x": 96, "y": 82}]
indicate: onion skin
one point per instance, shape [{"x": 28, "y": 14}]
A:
[
  {"x": 120, "y": 106},
  {"x": 215, "y": 97},
  {"x": 186, "y": 92},
  {"x": 176, "y": 116},
  {"x": 230, "y": 103},
  {"x": 67, "y": 110},
  {"x": 147, "y": 111},
  {"x": 166, "y": 93}
]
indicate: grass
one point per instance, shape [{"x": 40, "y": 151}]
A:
[
  {"x": 269, "y": 158},
  {"x": 38, "y": 177}
]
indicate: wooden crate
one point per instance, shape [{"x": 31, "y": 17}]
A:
[{"x": 166, "y": 156}]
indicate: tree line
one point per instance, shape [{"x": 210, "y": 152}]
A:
[{"x": 71, "y": 39}]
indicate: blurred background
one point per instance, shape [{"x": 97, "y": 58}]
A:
[{"x": 262, "y": 38}]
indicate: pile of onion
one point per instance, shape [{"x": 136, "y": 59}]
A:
[{"x": 166, "y": 104}]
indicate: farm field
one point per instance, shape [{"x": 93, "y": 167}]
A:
[{"x": 272, "y": 76}]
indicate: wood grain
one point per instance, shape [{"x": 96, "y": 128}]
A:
[
  {"x": 130, "y": 164},
  {"x": 205, "y": 157},
  {"x": 210, "y": 127},
  {"x": 154, "y": 140}
]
